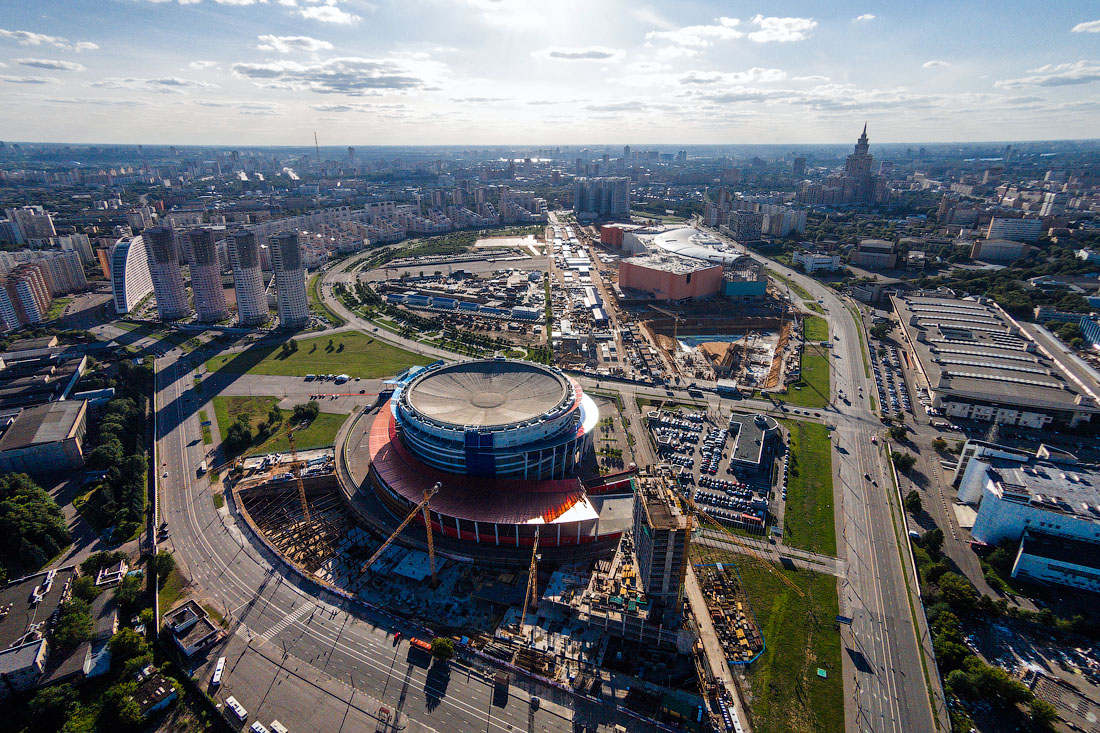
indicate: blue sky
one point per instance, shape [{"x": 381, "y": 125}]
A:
[{"x": 518, "y": 72}]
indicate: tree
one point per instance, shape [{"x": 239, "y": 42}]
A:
[
  {"x": 1043, "y": 715},
  {"x": 879, "y": 330},
  {"x": 84, "y": 588},
  {"x": 32, "y": 527},
  {"x": 120, "y": 713},
  {"x": 912, "y": 502},
  {"x": 903, "y": 461},
  {"x": 959, "y": 593},
  {"x": 933, "y": 542},
  {"x": 939, "y": 444},
  {"x": 897, "y": 433},
  {"x": 126, "y": 645},
  {"x": 162, "y": 564},
  {"x": 51, "y": 708},
  {"x": 74, "y": 624},
  {"x": 306, "y": 412},
  {"x": 443, "y": 648},
  {"x": 129, "y": 592}
]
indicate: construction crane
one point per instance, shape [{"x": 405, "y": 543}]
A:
[
  {"x": 676, "y": 318},
  {"x": 422, "y": 506},
  {"x": 770, "y": 567},
  {"x": 532, "y": 580}
]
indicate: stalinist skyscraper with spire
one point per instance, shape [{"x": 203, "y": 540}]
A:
[{"x": 857, "y": 185}]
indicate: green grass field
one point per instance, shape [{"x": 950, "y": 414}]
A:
[
  {"x": 207, "y": 437},
  {"x": 319, "y": 434},
  {"x": 350, "y": 352},
  {"x": 808, "y": 520},
  {"x": 812, "y": 390},
  {"x": 800, "y": 638},
  {"x": 800, "y": 291},
  {"x": 317, "y": 306},
  {"x": 816, "y": 329}
]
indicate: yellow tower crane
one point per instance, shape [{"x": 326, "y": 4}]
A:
[
  {"x": 532, "y": 580},
  {"x": 422, "y": 506}
]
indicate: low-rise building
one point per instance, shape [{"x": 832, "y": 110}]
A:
[
  {"x": 670, "y": 277},
  {"x": 875, "y": 254},
  {"x": 191, "y": 628},
  {"x": 47, "y": 437},
  {"x": 28, "y": 604},
  {"x": 998, "y": 250},
  {"x": 816, "y": 261}
]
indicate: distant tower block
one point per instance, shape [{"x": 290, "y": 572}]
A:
[
  {"x": 164, "y": 267},
  {"x": 290, "y": 281},
  {"x": 248, "y": 279}
]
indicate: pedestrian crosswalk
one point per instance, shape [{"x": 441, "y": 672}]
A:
[{"x": 286, "y": 621}]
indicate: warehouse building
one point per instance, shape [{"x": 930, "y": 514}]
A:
[
  {"x": 670, "y": 277},
  {"x": 44, "y": 437},
  {"x": 979, "y": 364}
]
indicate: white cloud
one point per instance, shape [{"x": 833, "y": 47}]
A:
[
  {"x": 1055, "y": 75},
  {"x": 201, "y": 65},
  {"x": 27, "y": 79},
  {"x": 863, "y": 18},
  {"x": 52, "y": 64},
  {"x": 348, "y": 75},
  {"x": 589, "y": 53},
  {"x": 781, "y": 30},
  {"x": 934, "y": 63},
  {"x": 286, "y": 44},
  {"x": 29, "y": 38},
  {"x": 1092, "y": 26},
  {"x": 699, "y": 36},
  {"x": 753, "y": 75},
  {"x": 328, "y": 14},
  {"x": 245, "y": 108},
  {"x": 164, "y": 84}
]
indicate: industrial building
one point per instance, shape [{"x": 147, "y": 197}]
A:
[
  {"x": 164, "y": 257},
  {"x": 875, "y": 254},
  {"x": 206, "y": 276},
  {"x": 503, "y": 439},
  {"x": 38, "y": 375},
  {"x": 290, "y": 280},
  {"x": 131, "y": 281},
  {"x": 998, "y": 250},
  {"x": 670, "y": 277},
  {"x": 1021, "y": 230},
  {"x": 1046, "y": 500},
  {"x": 248, "y": 279},
  {"x": 979, "y": 364},
  {"x": 48, "y": 437}
]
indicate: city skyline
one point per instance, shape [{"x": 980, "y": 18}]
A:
[{"x": 500, "y": 72}]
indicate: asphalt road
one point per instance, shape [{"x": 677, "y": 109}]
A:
[
  {"x": 884, "y": 681},
  {"x": 272, "y": 610}
]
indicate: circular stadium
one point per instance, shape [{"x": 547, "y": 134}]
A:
[{"x": 504, "y": 439}]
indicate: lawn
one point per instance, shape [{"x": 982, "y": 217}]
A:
[
  {"x": 319, "y": 434},
  {"x": 800, "y": 638},
  {"x": 207, "y": 438},
  {"x": 58, "y": 307},
  {"x": 800, "y": 291},
  {"x": 813, "y": 305},
  {"x": 812, "y": 389},
  {"x": 317, "y": 306},
  {"x": 808, "y": 520},
  {"x": 349, "y": 352},
  {"x": 816, "y": 329},
  {"x": 170, "y": 591}
]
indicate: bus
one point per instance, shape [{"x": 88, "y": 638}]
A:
[
  {"x": 236, "y": 708},
  {"x": 219, "y": 669},
  {"x": 420, "y": 644},
  {"x": 201, "y": 470}
]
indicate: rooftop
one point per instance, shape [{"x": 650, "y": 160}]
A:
[
  {"x": 972, "y": 349},
  {"x": 697, "y": 244},
  {"x": 487, "y": 393},
  {"x": 48, "y": 423},
  {"x": 1061, "y": 549},
  {"x": 669, "y": 263},
  {"x": 19, "y": 614},
  {"x": 1067, "y": 489}
]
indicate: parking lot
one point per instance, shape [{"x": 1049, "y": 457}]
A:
[
  {"x": 701, "y": 451},
  {"x": 893, "y": 394}
]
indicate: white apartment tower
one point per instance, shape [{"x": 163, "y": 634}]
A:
[
  {"x": 130, "y": 278},
  {"x": 206, "y": 277},
  {"x": 164, "y": 267},
  {"x": 290, "y": 280},
  {"x": 248, "y": 279}
]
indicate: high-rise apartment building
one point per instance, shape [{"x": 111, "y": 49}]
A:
[
  {"x": 31, "y": 222},
  {"x": 164, "y": 267},
  {"x": 206, "y": 277},
  {"x": 248, "y": 279},
  {"x": 1020, "y": 230},
  {"x": 598, "y": 197},
  {"x": 746, "y": 225},
  {"x": 290, "y": 280},
  {"x": 24, "y": 296},
  {"x": 131, "y": 281},
  {"x": 662, "y": 534}
]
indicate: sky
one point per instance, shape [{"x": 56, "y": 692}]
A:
[{"x": 546, "y": 72}]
